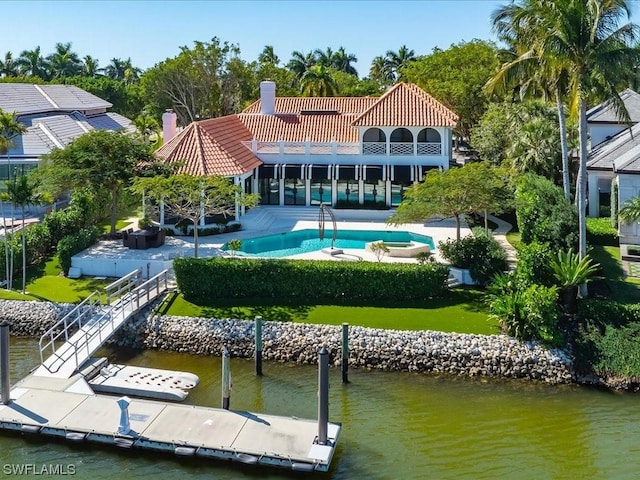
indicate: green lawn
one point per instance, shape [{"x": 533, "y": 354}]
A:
[
  {"x": 613, "y": 284},
  {"x": 45, "y": 283},
  {"x": 462, "y": 311},
  {"x": 125, "y": 212}
]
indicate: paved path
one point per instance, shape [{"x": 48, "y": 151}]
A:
[{"x": 500, "y": 234}]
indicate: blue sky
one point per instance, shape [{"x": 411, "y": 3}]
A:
[{"x": 150, "y": 31}]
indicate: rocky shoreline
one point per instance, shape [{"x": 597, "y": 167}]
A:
[{"x": 394, "y": 350}]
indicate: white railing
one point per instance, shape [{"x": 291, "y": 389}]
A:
[
  {"x": 374, "y": 148},
  {"x": 429, "y": 148},
  {"x": 98, "y": 322},
  {"x": 401, "y": 148},
  {"x": 123, "y": 285},
  {"x": 348, "y": 149},
  {"x": 320, "y": 148},
  {"x": 303, "y": 148}
]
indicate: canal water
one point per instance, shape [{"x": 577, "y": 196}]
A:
[{"x": 395, "y": 425}]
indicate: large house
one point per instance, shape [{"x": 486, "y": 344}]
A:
[
  {"x": 615, "y": 154},
  {"x": 54, "y": 116},
  {"x": 340, "y": 151}
]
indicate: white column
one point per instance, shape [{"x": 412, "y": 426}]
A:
[
  {"x": 307, "y": 189},
  {"x": 334, "y": 192},
  {"x": 202, "y": 219},
  {"x": 237, "y": 210},
  {"x": 360, "y": 192},
  {"x": 594, "y": 195},
  {"x": 161, "y": 212},
  {"x": 387, "y": 192}
]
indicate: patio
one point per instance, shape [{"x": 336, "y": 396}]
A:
[{"x": 112, "y": 259}]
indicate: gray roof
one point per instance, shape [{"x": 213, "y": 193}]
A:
[
  {"x": 44, "y": 133},
  {"x": 605, "y": 154},
  {"x": 605, "y": 113},
  {"x": 25, "y": 99},
  {"x": 629, "y": 162}
]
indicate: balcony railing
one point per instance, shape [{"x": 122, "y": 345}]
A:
[
  {"x": 374, "y": 148},
  {"x": 429, "y": 148},
  {"x": 401, "y": 148},
  {"x": 335, "y": 148}
]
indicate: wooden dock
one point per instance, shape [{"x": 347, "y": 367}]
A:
[{"x": 64, "y": 408}]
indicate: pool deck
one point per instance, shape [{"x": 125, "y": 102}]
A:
[{"x": 112, "y": 259}]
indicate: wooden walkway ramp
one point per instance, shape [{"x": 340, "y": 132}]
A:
[{"x": 72, "y": 340}]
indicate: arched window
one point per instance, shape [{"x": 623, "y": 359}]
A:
[
  {"x": 401, "y": 142},
  {"x": 374, "y": 142},
  {"x": 429, "y": 142}
]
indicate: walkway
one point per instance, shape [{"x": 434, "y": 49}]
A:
[{"x": 500, "y": 234}]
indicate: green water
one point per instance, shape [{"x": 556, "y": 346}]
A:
[{"x": 395, "y": 426}]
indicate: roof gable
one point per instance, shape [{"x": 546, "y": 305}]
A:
[
  {"x": 24, "y": 99},
  {"x": 605, "y": 112},
  {"x": 406, "y": 105},
  {"x": 605, "y": 153},
  {"x": 211, "y": 147}
]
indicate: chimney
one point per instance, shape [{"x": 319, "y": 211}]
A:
[
  {"x": 169, "y": 120},
  {"x": 268, "y": 97}
]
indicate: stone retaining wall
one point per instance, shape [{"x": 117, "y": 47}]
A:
[{"x": 413, "y": 351}]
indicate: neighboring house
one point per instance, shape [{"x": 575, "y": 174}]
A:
[
  {"x": 54, "y": 116},
  {"x": 340, "y": 151},
  {"x": 615, "y": 157}
]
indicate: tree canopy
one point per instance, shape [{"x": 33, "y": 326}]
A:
[
  {"x": 105, "y": 161},
  {"x": 193, "y": 198}
]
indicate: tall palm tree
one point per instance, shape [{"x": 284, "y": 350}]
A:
[
  {"x": 381, "y": 70},
  {"x": 342, "y": 61},
  {"x": 398, "y": 60},
  {"x": 586, "y": 37},
  {"x": 8, "y": 66},
  {"x": 516, "y": 26},
  {"x": 326, "y": 57},
  {"x": 64, "y": 62},
  {"x": 32, "y": 63},
  {"x": 22, "y": 193},
  {"x": 268, "y": 55},
  {"x": 146, "y": 125},
  {"x": 9, "y": 129},
  {"x": 90, "y": 66},
  {"x": 301, "y": 62},
  {"x": 317, "y": 81}
]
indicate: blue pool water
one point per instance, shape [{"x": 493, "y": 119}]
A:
[{"x": 303, "y": 241}]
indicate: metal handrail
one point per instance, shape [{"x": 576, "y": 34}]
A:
[
  {"x": 96, "y": 325},
  {"x": 123, "y": 284}
]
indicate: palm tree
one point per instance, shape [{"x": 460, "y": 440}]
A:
[
  {"x": 325, "y": 58},
  {"x": 90, "y": 66},
  {"x": 268, "y": 56},
  {"x": 32, "y": 63},
  {"x": 585, "y": 38},
  {"x": 146, "y": 125},
  {"x": 8, "y": 66},
  {"x": 381, "y": 70},
  {"x": 301, "y": 62},
  {"x": 570, "y": 271},
  {"x": 22, "y": 193},
  {"x": 398, "y": 60},
  {"x": 64, "y": 62},
  {"x": 317, "y": 81},
  {"x": 630, "y": 211},
  {"x": 520, "y": 30},
  {"x": 9, "y": 129},
  {"x": 342, "y": 61}
]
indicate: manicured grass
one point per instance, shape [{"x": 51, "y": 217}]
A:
[
  {"x": 613, "y": 284},
  {"x": 514, "y": 239},
  {"x": 462, "y": 311},
  {"x": 129, "y": 211},
  {"x": 45, "y": 283}
]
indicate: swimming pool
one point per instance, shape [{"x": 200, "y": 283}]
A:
[{"x": 303, "y": 241}]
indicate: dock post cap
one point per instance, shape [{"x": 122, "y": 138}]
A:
[
  {"x": 323, "y": 350},
  {"x": 4, "y": 323},
  {"x": 125, "y": 427}
]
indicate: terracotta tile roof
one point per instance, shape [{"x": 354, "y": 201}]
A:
[
  {"x": 299, "y": 128},
  {"x": 211, "y": 147},
  {"x": 295, "y": 105},
  {"x": 406, "y": 105}
]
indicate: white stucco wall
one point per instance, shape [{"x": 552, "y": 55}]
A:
[{"x": 599, "y": 182}]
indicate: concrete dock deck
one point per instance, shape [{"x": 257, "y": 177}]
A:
[{"x": 62, "y": 408}]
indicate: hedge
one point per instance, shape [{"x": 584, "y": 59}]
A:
[
  {"x": 72, "y": 244},
  {"x": 202, "y": 281}
]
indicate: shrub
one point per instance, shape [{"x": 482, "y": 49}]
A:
[
  {"x": 203, "y": 281},
  {"x": 544, "y": 215},
  {"x": 533, "y": 266},
  {"x": 38, "y": 241},
  {"x": 602, "y": 312},
  {"x": 529, "y": 314},
  {"x": 72, "y": 244},
  {"x": 600, "y": 232},
  {"x": 479, "y": 252},
  {"x": 62, "y": 223},
  {"x": 615, "y": 351}
]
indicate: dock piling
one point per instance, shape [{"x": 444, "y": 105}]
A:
[
  {"x": 5, "y": 383},
  {"x": 125, "y": 427},
  {"x": 226, "y": 378},
  {"x": 323, "y": 395},
  {"x": 258, "y": 332},
  {"x": 345, "y": 353}
]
